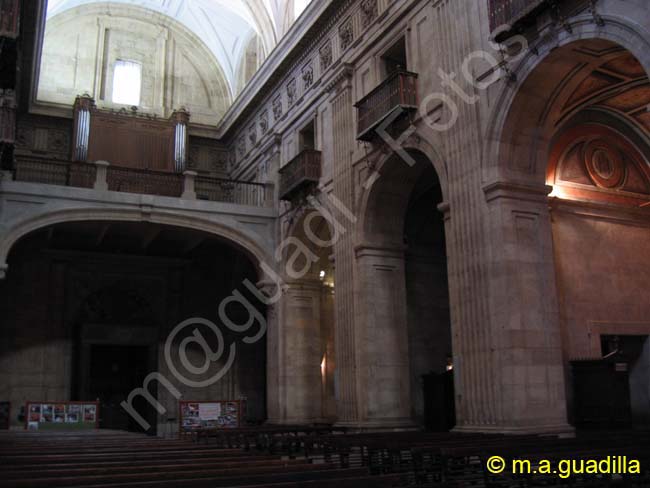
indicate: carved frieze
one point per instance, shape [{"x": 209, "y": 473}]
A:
[
  {"x": 241, "y": 146},
  {"x": 291, "y": 92},
  {"x": 368, "y": 12},
  {"x": 346, "y": 34},
  {"x": 264, "y": 121},
  {"x": 325, "y": 54},
  {"x": 307, "y": 75},
  {"x": 252, "y": 134},
  {"x": 277, "y": 108}
]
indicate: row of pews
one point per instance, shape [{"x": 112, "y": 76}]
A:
[{"x": 306, "y": 456}]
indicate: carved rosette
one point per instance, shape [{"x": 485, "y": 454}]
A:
[
  {"x": 307, "y": 75},
  {"x": 264, "y": 121},
  {"x": 277, "y": 108},
  {"x": 325, "y": 54},
  {"x": 368, "y": 12},
  {"x": 346, "y": 34},
  {"x": 291, "y": 92},
  {"x": 604, "y": 164}
]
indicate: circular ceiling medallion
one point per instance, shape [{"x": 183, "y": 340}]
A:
[{"x": 604, "y": 164}]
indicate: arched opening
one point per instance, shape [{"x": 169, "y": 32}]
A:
[
  {"x": 88, "y": 308},
  {"x": 579, "y": 123},
  {"x": 404, "y": 260}
]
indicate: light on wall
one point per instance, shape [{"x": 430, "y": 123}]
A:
[
  {"x": 323, "y": 366},
  {"x": 127, "y": 82},
  {"x": 558, "y": 193}
]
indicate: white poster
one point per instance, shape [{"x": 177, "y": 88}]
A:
[{"x": 209, "y": 411}]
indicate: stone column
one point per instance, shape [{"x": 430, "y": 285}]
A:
[
  {"x": 273, "y": 354},
  {"x": 300, "y": 355},
  {"x": 525, "y": 362},
  {"x": 382, "y": 328}
]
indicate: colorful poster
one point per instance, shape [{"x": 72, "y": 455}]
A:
[
  {"x": 59, "y": 413},
  {"x": 209, "y": 411},
  {"x": 209, "y": 415},
  {"x": 47, "y": 413},
  {"x": 35, "y": 413},
  {"x": 61, "y": 416},
  {"x": 90, "y": 413},
  {"x": 72, "y": 418}
]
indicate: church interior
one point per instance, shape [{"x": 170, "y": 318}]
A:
[{"x": 319, "y": 243}]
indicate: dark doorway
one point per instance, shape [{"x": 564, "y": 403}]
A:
[
  {"x": 634, "y": 352},
  {"x": 439, "y": 408},
  {"x": 115, "y": 370}
]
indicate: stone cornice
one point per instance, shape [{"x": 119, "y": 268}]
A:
[
  {"x": 275, "y": 67},
  {"x": 602, "y": 211},
  {"x": 516, "y": 191},
  {"x": 342, "y": 74}
]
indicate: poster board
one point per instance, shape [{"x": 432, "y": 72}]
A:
[
  {"x": 5, "y": 415},
  {"x": 219, "y": 414},
  {"x": 61, "y": 415}
]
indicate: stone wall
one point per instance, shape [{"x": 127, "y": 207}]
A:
[{"x": 81, "y": 46}]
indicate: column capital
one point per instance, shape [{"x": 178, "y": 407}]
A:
[
  {"x": 313, "y": 284},
  {"x": 513, "y": 190},
  {"x": 391, "y": 251}
]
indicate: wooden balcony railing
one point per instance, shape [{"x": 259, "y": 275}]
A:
[
  {"x": 399, "y": 90},
  {"x": 9, "y": 18},
  {"x": 49, "y": 172},
  {"x": 508, "y": 17},
  {"x": 231, "y": 191},
  {"x": 144, "y": 181},
  {"x": 301, "y": 171},
  {"x": 508, "y": 12}
]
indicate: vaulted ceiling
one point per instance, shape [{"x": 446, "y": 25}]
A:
[{"x": 225, "y": 26}]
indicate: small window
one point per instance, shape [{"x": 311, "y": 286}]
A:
[
  {"x": 127, "y": 82},
  {"x": 307, "y": 136},
  {"x": 394, "y": 58}
]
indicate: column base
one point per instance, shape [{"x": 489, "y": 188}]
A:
[
  {"x": 297, "y": 421},
  {"x": 384, "y": 425},
  {"x": 560, "y": 430}
]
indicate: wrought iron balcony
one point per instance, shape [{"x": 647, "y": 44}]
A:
[
  {"x": 302, "y": 171},
  {"x": 398, "y": 91}
]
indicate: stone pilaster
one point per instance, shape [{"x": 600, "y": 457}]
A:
[
  {"x": 343, "y": 190},
  {"x": 273, "y": 352},
  {"x": 300, "y": 338},
  {"x": 527, "y": 367},
  {"x": 381, "y": 320}
]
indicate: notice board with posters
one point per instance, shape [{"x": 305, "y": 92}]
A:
[
  {"x": 5, "y": 415},
  {"x": 219, "y": 414},
  {"x": 62, "y": 415}
]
